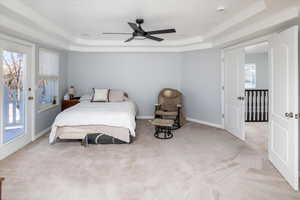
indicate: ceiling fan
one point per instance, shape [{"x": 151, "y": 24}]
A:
[{"x": 139, "y": 32}]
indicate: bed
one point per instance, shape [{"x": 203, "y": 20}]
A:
[{"x": 115, "y": 119}]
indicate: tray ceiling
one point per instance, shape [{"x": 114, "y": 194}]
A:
[
  {"x": 80, "y": 23},
  {"x": 88, "y": 19}
]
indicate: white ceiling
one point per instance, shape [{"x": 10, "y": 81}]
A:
[
  {"x": 190, "y": 17},
  {"x": 78, "y": 24}
]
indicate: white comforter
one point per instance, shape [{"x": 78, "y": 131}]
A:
[{"x": 118, "y": 114}]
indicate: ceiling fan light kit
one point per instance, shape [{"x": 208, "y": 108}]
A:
[{"x": 140, "y": 33}]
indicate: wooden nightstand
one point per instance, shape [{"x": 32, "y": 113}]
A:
[
  {"x": 68, "y": 103},
  {"x": 1, "y": 180}
]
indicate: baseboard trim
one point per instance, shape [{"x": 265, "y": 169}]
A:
[
  {"x": 145, "y": 117},
  {"x": 188, "y": 118},
  {"x": 40, "y": 134},
  {"x": 205, "y": 123}
]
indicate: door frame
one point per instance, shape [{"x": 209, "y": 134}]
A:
[
  {"x": 32, "y": 106},
  {"x": 266, "y": 38}
]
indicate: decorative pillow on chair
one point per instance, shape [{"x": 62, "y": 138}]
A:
[{"x": 100, "y": 95}]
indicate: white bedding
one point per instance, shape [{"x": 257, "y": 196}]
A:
[{"x": 118, "y": 114}]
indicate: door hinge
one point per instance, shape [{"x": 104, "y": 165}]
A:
[
  {"x": 223, "y": 87},
  {"x": 223, "y": 115}
]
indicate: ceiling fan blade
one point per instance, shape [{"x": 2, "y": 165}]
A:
[
  {"x": 161, "y": 31},
  {"x": 154, "y": 38},
  {"x": 129, "y": 39},
  {"x": 134, "y": 26},
  {"x": 109, "y": 33}
]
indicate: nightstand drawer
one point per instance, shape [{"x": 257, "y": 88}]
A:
[{"x": 68, "y": 103}]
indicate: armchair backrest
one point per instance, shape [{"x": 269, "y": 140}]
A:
[{"x": 169, "y": 98}]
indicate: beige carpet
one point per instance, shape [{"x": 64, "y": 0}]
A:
[{"x": 199, "y": 163}]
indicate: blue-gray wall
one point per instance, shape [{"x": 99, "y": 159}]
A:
[
  {"x": 197, "y": 74},
  {"x": 141, "y": 75},
  {"x": 201, "y": 85}
]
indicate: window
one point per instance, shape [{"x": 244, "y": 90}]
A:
[
  {"x": 250, "y": 76},
  {"x": 48, "y": 78}
]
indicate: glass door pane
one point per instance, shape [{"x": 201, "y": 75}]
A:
[{"x": 13, "y": 67}]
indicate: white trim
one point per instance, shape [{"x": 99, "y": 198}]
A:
[
  {"x": 188, "y": 119},
  {"x": 205, "y": 123},
  {"x": 43, "y": 108},
  {"x": 222, "y": 88},
  {"x": 19, "y": 142},
  {"x": 244, "y": 44},
  {"x": 16, "y": 40},
  {"x": 263, "y": 27},
  {"x": 33, "y": 90},
  {"x": 40, "y": 134},
  {"x": 257, "y": 40},
  {"x": 141, "y": 48},
  {"x": 145, "y": 117}
]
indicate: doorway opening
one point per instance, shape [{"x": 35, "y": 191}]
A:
[
  {"x": 257, "y": 96},
  {"x": 282, "y": 129}
]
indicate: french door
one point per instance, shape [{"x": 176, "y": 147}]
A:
[
  {"x": 284, "y": 111},
  {"x": 283, "y": 140},
  {"x": 234, "y": 78},
  {"x": 15, "y": 96}
]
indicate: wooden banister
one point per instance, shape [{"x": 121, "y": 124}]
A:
[{"x": 256, "y": 105}]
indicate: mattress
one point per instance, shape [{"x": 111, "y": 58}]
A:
[{"x": 111, "y": 118}]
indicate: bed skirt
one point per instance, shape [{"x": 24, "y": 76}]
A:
[{"x": 80, "y": 132}]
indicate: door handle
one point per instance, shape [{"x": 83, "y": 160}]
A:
[
  {"x": 30, "y": 98},
  {"x": 241, "y": 98},
  {"x": 289, "y": 115}
]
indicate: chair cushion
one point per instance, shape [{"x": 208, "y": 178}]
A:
[
  {"x": 162, "y": 122},
  {"x": 166, "y": 113}
]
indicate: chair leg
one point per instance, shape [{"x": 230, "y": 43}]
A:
[{"x": 176, "y": 123}]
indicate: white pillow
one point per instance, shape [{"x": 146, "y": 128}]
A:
[
  {"x": 85, "y": 98},
  {"x": 100, "y": 95},
  {"x": 116, "y": 96}
]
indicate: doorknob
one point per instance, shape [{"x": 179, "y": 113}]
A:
[
  {"x": 241, "y": 98},
  {"x": 30, "y": 98},
  {"x": 289, "y": 115}
]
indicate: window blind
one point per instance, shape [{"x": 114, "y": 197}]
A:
[{"x": 48, "y": 64}]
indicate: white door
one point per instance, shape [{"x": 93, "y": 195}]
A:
[
  {"x": 15, "y": 91},
  {"x": 284, "y": 113},
  {"x": 234, "y": 117}
]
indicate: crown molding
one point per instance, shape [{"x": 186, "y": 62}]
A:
[
  {"x": 20, "y": 30},
  {"x": 135, "y": 43},
  {"x": 29, "y": 14},
  {"x": 182, "y": 48},
  {"x": 273, "y": 23}
]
